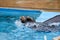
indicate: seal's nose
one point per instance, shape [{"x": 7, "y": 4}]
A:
[{"x": 23, "y": 19}]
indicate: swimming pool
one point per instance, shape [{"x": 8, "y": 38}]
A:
[{"x": 9, "y": 30}]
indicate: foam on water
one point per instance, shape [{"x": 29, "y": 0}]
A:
[
  {"x": 18, "y": 23},
  {"x": 45, "y": 38}
]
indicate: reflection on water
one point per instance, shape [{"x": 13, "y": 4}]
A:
[{"x": 11, "y": 29}]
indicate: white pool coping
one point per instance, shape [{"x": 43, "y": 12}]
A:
[
  {"x": 18, "y": 8},
  {"x": 30, "y": 9}
]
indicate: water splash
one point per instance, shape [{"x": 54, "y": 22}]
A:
[{"x": 18, "y": 23}]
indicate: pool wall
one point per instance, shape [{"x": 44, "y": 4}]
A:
[{"x": 19, "y": 12}]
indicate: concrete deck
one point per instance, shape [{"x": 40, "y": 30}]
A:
[{"x": 48, "y": 5}]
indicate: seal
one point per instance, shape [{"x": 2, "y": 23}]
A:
[{"x": 38, "y": 26}]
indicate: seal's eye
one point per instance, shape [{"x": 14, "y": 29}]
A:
[{"x": 29, "y": 19}]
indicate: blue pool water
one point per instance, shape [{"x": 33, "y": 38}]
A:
[{"x": 11, "y": 29}]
